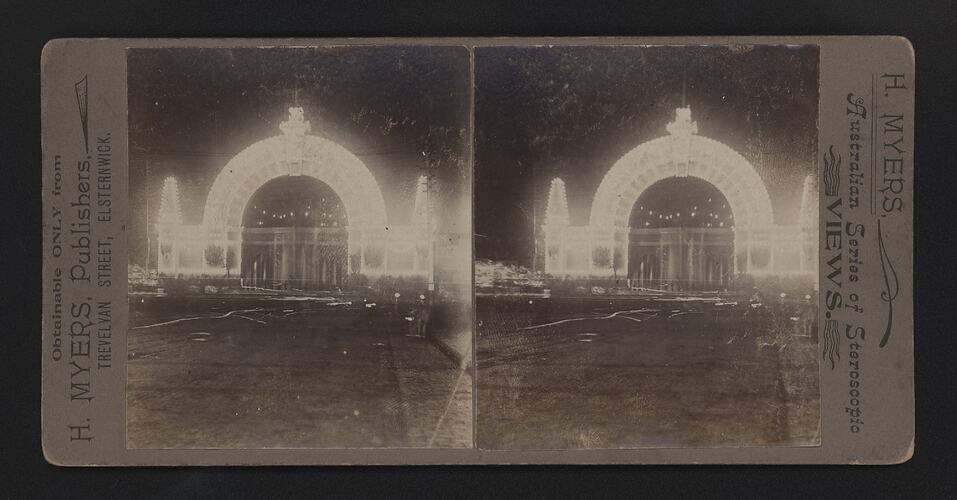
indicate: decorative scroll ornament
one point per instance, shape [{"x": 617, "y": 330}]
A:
[{"x": 294, "y": 132}]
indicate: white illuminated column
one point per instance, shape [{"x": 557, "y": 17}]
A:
[
  {"x": 808, "y": 222},
  {"x": 556, "y": 225},
  {"x": 422, "y": 229},
  {"x": 556, "y": 213},
  {"x": 420, "y": 211},
  {"x": 169, "y": 212},
  {"x": 808, "y": 218},
  {"x": 169, "y": 223}
]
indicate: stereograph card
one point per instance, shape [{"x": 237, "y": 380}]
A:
[{"x": 478, "y": 251}]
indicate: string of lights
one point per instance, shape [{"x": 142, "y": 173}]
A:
[
  {"x": 684, "y": 202},
  {"x": 283, "y": 203}
]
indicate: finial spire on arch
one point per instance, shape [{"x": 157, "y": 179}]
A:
[{"x": 296, "y": 125}]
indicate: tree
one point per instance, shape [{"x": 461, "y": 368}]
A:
[
  {"x": 230, "y": 261},
  {"x": 214, "y": 255}
]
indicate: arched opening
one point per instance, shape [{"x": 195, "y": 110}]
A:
[
  {"x": 681, "y": 236},
  {"x": 294, "y": 235}
]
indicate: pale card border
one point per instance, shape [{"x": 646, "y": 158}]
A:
[{"x": 854, "y": 71}]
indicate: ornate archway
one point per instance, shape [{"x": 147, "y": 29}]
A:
[
  {"x": 682, "y": 153},
  {"x": 601, "y": 247},
  {"x": 374, "y": 246},
  {"x": 297, "y": 153}
]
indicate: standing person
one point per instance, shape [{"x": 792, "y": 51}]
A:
[
  {"x": 418, "y": 317},
  {"x": 413, "y": 319},
  {"x": 423, "y": 316},
  {"x": 808, "y": 315}
]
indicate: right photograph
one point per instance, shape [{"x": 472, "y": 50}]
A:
[{"x": 646, "y": 261}]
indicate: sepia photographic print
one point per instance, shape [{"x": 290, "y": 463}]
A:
[
  {"x": 402, "y": 251},
  {"x": 299, "y": 248},
  {"x": 646, "y": 223}
]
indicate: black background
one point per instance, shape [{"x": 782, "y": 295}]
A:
[{"x": 26, "y": 26}]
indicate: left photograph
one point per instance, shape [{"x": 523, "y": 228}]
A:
[{"x": 300, "y": 267}]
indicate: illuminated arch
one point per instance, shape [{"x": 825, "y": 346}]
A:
[
  {"x": 295, "y": 153},
  {"x": 601, "y": 248},
  {"x": 681, "y": 155},
  {"x": 373, "y": 246}
]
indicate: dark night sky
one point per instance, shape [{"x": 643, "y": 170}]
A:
[
  {"x": 191, "y": 110},
  {"x": 572, "y": 112}
]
